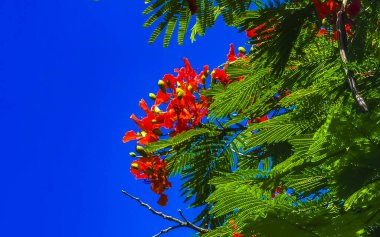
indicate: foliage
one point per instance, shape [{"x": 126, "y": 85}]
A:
[{"x": 275, "y": 143}]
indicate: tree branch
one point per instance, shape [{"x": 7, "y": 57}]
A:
[
  {"x": 166, "y": 230},
  {"x": 167, "y": 217},
  {"x": 342, "y": 43}
]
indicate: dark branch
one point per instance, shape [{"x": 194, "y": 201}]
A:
[
  {"x": 342, "y": 42},
  {"x": 170, "y": 218}
]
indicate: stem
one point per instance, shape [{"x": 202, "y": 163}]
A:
[
  {"x": 167, "y": 217},
  {"x": 342, "y": 42}
]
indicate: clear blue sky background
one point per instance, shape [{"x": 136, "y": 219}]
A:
[{"x": 71, "y": 74}]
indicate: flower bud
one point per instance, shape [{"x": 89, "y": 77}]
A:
[
  {"x": 213, "y": 73},
  {"x": 132, "y": 154},
  {"x": 152, "y": 96},
  {"x": 157, "y": 110},
  {"x": 242, "y": 50},
  {"x": 141, "y": 150},
  {"x": 190, "y": 88},
  {"x": 203, "y": 78},
  {"x": 154, "y": 121},
  {"x": 180, "y": 93},
  {"x": 161, "y": 84},
  {"x": 325, "y": 22},
  {"x": 134, "y": 165}
]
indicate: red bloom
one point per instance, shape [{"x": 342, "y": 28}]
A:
[
  {"x": 185, "y": 110},
  {"x": 325, "y": 8},
  {"x": 238, "y": 235},
  {"x": 221, "y": 76},
  {"x": 252, "y": 33},
  {"x": 163, "y": 200},
  {"x": 262, "y": 119},
  {"x": 354, "y": 8},
  {"x": 162, "y": 97},
  {"x": 231, "y": 54},
  {"x": 130, "y": 135},
  {"x": 321, "y": 32},
  {"x": 154, "y": 170},
  {"x": 277, "y": 191}
]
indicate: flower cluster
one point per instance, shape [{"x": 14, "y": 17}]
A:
[
  {"x": 185, "y": 107},
  {"x": 220, "y": 74},
  {"x": 261, "y": 33},
  {"x": 327, "y": 11},
  {"x": 331, "y": 7},
  {"x": 153, "y": 169}
]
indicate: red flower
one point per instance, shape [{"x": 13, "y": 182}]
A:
[
  {"x": 154, "y": 170},
  {"x": 163, "y": 200},
  {"x": 221, "y": 76},
  {"x": 238, "y": 235},
  {"x": 321, "y": 32},
  {"x": 231, "y": 54},
  {"x": 277, "y": 191},
  {"x": 325, "y": 8},
  {"x": 162, "y": 97},
  {"x": 184, "y": 110},
  {"x": 252, "y": 33},
  {"x": 130, "y": 135},
  {"x": 354, "y": 8},
  {"x": 262, "y": 119}
]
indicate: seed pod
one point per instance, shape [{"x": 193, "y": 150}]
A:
[
  {"x": 180, "y": 93},
  {"x": 190, "y": 88},
  {"x": 152, "y": 96},
  {"x": 134, "y": 165},
  {"x": 242, "y": 50},
  {"x": 161, "y": 84},
  {"x": 203, "y": 78},
  {"x": 325, "y": 22},
  {"x": 141, "y": 151}
]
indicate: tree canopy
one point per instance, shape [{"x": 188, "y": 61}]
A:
[{"x": 282, "y": 139}]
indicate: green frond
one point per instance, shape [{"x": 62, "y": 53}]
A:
[
  {"x": 183, "y": 24},
  {"x": 176, "y": 140},
  {"x": 238, "y": 95},
  {"x": 169, "y": 30},
  {"x": 366, "y": 196},
  {"x": 164, "y": 9}
]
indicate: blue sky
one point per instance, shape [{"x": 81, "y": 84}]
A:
[{"x": 71, "y": 74}]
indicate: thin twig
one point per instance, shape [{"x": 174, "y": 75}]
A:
[
  {"x": 342, "y": 43},
  {"x": 167, "y": 217},
  {"x": 183, "y": 217},
  {"x": 166, "y": 230}
]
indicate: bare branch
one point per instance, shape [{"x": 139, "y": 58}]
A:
[
  {"x": 167, "y": 217},
  {"x": 184, "y": 218},
  {"x": 167, "y": 230}
]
